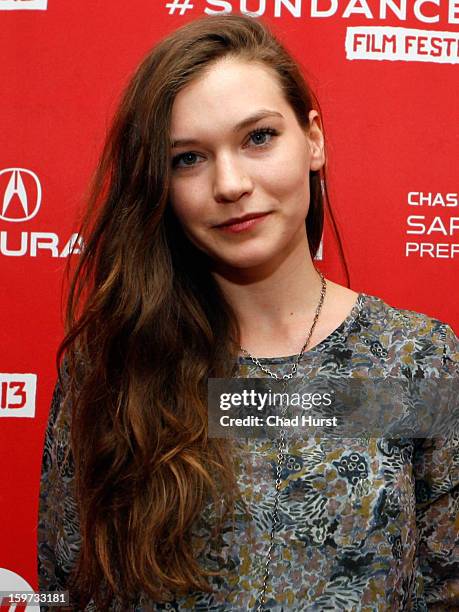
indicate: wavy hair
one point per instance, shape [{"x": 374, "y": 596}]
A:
[{"x": 146, "y": 325}]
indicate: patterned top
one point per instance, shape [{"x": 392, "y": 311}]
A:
[{"x": 365, "y": 524}]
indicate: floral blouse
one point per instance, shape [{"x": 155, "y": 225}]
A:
[{"x": 365, "y": 524}]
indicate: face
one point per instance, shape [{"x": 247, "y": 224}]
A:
[{"x": 237, "y": 150}]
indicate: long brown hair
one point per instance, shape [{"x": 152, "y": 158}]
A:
[{"x": 147, "y": 325}]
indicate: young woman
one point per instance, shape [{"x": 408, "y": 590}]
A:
[{"x": 205, "y": 215}]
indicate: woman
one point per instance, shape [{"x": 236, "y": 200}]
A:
[{"x": 205, "y": 215}]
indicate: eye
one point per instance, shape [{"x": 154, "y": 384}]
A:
[
  {"x": 188, "y": 158},
  {"x": 259, "y": 135}
]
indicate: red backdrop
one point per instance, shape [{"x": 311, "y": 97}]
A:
[{"x": 387, "y": 80}]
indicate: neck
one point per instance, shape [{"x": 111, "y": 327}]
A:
[{"x": 271, "y": 301}]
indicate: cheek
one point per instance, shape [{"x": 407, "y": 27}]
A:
[
  {"x": 183, "y": 204},
  {"x": 288, "y": 176},
  {"x": 292, "y": 188}
]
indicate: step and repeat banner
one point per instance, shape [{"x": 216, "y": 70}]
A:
[{"x": 386, "y": 73}]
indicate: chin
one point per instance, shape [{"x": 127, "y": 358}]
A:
[{"x": 244, "y": 261}]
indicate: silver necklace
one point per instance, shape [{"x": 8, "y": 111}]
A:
[{"x": 280, "y": 443}]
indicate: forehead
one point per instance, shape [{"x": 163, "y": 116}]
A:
[{"x": 224, "y": 94}]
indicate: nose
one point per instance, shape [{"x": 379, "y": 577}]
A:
[{"x": 231, "y": 180}]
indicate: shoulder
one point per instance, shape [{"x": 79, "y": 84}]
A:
[
  {"x": 415, "y": 338},
  {"x": 57, "y": 449},
  {"x": 405, "y": 322}
]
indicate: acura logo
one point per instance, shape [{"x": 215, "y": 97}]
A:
[
  {"x": 21, "y": 194},
  {"x": 21, "y": 5}
]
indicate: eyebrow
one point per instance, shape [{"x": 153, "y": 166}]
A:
[{"x": 260, "y": 114}]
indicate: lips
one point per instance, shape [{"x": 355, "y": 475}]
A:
[
  {"x": 244, "y": 224},
  {"x": 236, "y": 220}
]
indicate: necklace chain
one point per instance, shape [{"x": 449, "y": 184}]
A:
[{"x": 280, "y": 443}]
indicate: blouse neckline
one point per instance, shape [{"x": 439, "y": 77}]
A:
[{"x": 336, "y": 334}]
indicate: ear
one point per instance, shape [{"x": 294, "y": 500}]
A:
[{"x": 315, "y": 139}]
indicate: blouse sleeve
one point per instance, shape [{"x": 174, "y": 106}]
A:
[
  {"x": 58, "y": 534},
  {"x": 436, "y": 472}
]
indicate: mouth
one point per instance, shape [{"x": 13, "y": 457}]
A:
[{"x": 242, "y": 223}]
